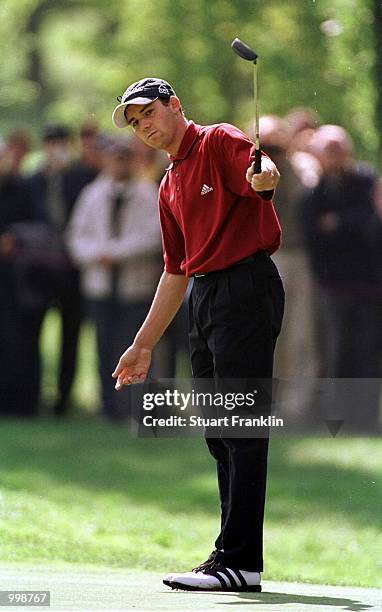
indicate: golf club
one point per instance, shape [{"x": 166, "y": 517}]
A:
[{"x": 245, "y": 52}]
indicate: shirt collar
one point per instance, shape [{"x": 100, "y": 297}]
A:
[{"x": 188, "y": 141}]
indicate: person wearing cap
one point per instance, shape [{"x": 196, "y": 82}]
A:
[
  {"x": 114, "y": 237},
  {"x": 219, "y": 227}
]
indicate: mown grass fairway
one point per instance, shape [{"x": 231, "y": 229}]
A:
[
  {"x": 86, "y": 493},
  {"x": 97, "y": 516},
  {"x": 92, "y": 589}
]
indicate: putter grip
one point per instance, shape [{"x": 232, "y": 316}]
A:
[
  {"x": 257, "y": 162},
  {"x": 266, "y": 195}
]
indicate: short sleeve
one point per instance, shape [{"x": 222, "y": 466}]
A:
[{"x": 234, "y": 151}]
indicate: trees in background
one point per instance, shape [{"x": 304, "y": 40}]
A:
[{"x": 69, "y": 59}]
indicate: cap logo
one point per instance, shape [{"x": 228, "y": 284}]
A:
[
  {"x": 162, "y": 89},
  {"x": 128, "y": 93}
]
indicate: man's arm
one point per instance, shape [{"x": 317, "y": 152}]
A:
[
  {"x": 135, "y": 361},
  {"x": 237, "y": 160}
]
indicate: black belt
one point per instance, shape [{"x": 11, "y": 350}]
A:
[{"x": 247, "y": 260}]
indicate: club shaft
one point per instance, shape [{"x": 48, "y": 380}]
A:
[{"x": 257, "y": 167}]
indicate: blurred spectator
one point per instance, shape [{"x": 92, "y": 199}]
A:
[
  {"x": 18, "y": 348},
  {"x": 85, "y": 168},
  {"x": 345, "y": 265},
  {"x": 274, "y": 137},
  {"x": 58, "y": 284},
  {"x": 115, "y": 238},
  {"x": 150, "y": 162},
  {"x": 18, "y": 145},
  {"x": 295, "y": 353},
  {"x": 377, "y": 203},
  {"x": 174, "y": 343},
  {"x": 374, "y": 231},
  {"x": 302, "y": 123}
]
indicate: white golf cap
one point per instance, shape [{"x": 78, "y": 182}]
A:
[
  {"x": 119, "y": 118},
  {"x": 144, "y": 91}
]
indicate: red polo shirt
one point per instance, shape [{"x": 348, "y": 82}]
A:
[{"x": 210, "y": 216}]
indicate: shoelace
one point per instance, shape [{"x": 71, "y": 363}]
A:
[{"x": 206, "y": 564}]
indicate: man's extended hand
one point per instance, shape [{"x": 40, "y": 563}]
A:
[
  {"x": 132, "y": 366},
  {"x": 268, "y": 177}
]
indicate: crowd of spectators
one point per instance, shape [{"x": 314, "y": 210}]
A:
[
  {"x": 80, "y": 233},
  {"x": 329, "y": 205}
]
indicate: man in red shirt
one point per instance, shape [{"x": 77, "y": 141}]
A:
[{"x": 219, "y": 226}]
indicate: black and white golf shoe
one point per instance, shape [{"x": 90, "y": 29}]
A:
[
  {"x": 199, "y": 568},
  {"x": 212, "y": 576}
]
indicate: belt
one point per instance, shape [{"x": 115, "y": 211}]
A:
[{"x": 247, "y": 260}]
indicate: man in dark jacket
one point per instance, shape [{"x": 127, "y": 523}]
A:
[
  {"x": 56, "y": 187},
  {"x": 18, "y": 346},
  {"x": 346, "y": 267}
]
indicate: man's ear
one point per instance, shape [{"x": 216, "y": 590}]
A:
[{"x": 174, "y": 104}]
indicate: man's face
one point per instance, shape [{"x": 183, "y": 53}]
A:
[
  {"x": 57, "y": 153},
  {"x": 334, "y": 157},
  {"x": 120, "y": 166},
  {"x": 155, "y": 123}
]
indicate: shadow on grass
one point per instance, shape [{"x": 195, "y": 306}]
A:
[
  {"x": 175, "y": 474},
  {"x": 300, "y": 600}
]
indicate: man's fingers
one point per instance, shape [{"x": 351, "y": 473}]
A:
[
  {"x": 265, "y": 180},
  {"x": 132, "y": 367},
  {"x": 129, "y": 379},
  {"x": 261, "y": 183},
  {"x": 122, "y": 380},
  {"x": 118, "y": 385},
  {"x": 261, "y": 176},
  {"x": 267, "y": 175},
  {"x": 121, "y": 366},
  {"x": 117, "y": 370}
]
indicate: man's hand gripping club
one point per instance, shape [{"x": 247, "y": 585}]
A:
[{"x": 267, "y": 179}]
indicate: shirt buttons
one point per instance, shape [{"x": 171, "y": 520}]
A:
[{"x": 178, "y": 188}]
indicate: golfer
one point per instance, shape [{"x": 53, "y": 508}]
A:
[{"x": 218, "y": 226}]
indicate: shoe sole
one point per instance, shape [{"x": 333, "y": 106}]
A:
[{"x": 256, "y": 588}]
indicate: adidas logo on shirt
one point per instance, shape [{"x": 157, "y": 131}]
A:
[{"x": 206, "y": 189}]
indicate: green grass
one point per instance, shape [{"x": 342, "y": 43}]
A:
[
  {"x": 86, "y": 387},
  {"x": 86, "y": 493}
]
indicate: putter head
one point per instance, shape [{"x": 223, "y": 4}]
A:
[{"x": 243, "y": 50}]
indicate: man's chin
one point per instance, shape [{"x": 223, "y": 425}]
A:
[{"x": 155, "y": 143}]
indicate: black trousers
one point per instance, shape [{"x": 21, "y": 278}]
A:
[
  {"x": 60, "y": 289},
  {"x": 235, "y": 318}
]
